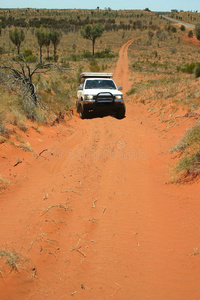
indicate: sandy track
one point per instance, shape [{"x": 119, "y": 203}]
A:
[{"x": 125, "y": 234}]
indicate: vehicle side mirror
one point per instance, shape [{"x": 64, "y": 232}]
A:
[
  {"x": 80, "y": 88},
  {"x": 120, "y": 88}
]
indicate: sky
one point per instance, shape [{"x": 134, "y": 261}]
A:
[{"x": 154, "y": 5}]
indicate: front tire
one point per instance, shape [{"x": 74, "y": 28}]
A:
[
  {"x": 120, "y": 113},
  {"x": 77, "y": 106},
  {"x": 83, "y": 112}
]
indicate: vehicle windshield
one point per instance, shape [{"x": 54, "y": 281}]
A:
[{"x": 100, "y": 84}]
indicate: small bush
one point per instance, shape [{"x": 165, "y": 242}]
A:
[
  {"x": 197, "y": 71},
  {"x": 2, "y": 50},
  {"x": 173, "y": 50},
  {"x": 4, "y": 131},
  {"x": 74, "y": 57},
  {"x": 189, "y": 148},
  {"x": 94, "y": 66},
  {"x": 190, "y": 34},
  {"x": 28, "y": 56},
  {"x": 99, "y": 54},
  {"x": 155, "y": 53},
  {"x": 104, "y": 54},
  {"x": 189, "y": 163},
  {"x": 174, "y": 30},
  {"x": 87, "y": 54},
  {"x": 33, "y": 112},
  {"x": 131, "y": 92},
  {"x": 188, "y": 68},
  {"x": 27, "y": 53},
  {"x": 182, "y": 28}
]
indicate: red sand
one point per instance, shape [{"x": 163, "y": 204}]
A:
[{"x": 126, "y": 233}]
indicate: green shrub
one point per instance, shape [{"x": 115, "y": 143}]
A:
[
  {"x": 189, "y": 163},
  {"x": 99, "y": 54},
  {"x": 87, "y": 54},
  {"x": 197, "y": 71},
  {"x": 74, "y": 57},
  {"x": 2, "y": 50},
  {"x": 4, "y": 131},
  {"x": 27, "y": 53},
  {"x": 188, "y": 68},
  {"x": 189, "y": 148},
  {"x": 28, "y": 56},
  {"x": 104, "y": 54},
  {"x": 94, "y": 66},
  {"x": 182, "y": 28},
  {"x": 174, "y": 29},
  {"x": 131, "y": 92},
  {"x": 190, "y": 34}
]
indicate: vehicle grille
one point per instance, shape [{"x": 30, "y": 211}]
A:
[{"x": 104, "y": 98}]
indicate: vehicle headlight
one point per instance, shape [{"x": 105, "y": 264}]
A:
[
  {"x": 119, "y": 97},
  {"x": 89, "y": 97}
]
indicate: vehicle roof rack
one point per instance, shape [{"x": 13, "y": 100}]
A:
[{"x": 96, "y": 75}]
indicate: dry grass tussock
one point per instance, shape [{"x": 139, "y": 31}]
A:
[
  {"x": 10, "y": 261},
  {"x": 3, "y": 184}
]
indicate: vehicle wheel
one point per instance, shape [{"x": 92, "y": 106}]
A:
[
  {"x": 120, "y": 113},
  {"x": 83, "y": 113},
  {"x": 77, "y": 106}
]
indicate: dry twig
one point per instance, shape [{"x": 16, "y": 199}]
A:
[
  {"x": 52, "y": 206},
  {"x": 93, "y": 204},
  {"x": 18, "y": 162},
  {"x": 76, "y": 248},
  {"x": 72, "y": 191}
]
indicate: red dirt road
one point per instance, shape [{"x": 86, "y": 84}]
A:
[{"x": 95, "y": 215}]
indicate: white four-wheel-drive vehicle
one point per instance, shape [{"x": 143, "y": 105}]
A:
[{"x": 98, "y": 93}]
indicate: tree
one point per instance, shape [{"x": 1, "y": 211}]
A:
[
  {"x": 17, "y": 37},
  {"x": 55, "y": 37},
  {"x": 150, "y": 34},
  {"x": 23, "y": 77},
  {"x": 190, "y": 34},
  {"x": 92, "y": 33},
  {"x": 197, "y": 31},
  {"x": 182, "y": 28},
  {"x": 40, "y": 35},
  {"x": 47, "y": 42}
]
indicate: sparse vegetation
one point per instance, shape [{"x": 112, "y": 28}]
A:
[
  {"x": 197, "y": 31},
  {"x": 131, "y": 92},
  {"x": 189, "y": 151}
]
